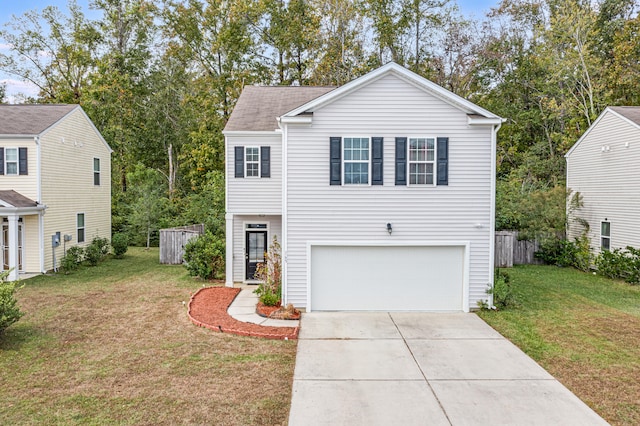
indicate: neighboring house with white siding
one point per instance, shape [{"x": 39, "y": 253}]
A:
[
  {"x": 55, "y": 183},
  {"x": 381, "y": 193},
  {"x": 603, "y": 167}
]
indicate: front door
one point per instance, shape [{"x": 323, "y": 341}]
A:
[
  {"x": 256, "y": 245},
  {"x": 4, "y": 237}
]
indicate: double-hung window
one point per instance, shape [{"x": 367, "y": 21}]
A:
[
  {"x": 356, "y": 161},
  {"x": 252, "y": 161},
  {"x": 421, "y": 161},
  {"x": 605, "y": 236},
  {"x": 80, "y": 227},
  {"x": 11, "y": 161},
  {"x": 96, "y": 171}
]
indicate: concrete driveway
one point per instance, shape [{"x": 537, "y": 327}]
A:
[{"x": 379, "y": 368}]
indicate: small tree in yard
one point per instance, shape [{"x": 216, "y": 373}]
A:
[
  {"x": 270, "y": 273},
  {"x": 9, "y": 312}
]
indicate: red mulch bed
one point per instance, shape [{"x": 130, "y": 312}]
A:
[{"x": 208, "y": 308}]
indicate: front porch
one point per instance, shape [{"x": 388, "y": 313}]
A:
[{"x": 21, "y": 234}]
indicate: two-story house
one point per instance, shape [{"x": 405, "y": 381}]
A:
[
  {"x": 381, "y": 193},
  {"x": 55, "y": 185}
]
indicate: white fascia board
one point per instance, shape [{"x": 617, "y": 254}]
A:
[
  {"x": 485, "y": 121},
  {"x": 22, "y": 210},
  {"x": 401, "y": 72},
  {"x": 299, "y": 119},
  {"x": 251, "y": 133},
  {"x": 17, "y": 136}
]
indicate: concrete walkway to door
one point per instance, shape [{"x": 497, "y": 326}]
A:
[{"x": 379, "y": 368}]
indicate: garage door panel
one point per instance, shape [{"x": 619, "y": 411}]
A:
[{"x": 393, "y": 278}]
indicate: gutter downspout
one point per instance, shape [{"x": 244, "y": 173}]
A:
[
  {"x": 492, "y": 222},
  {"x": 284, "y": 237},
  {"x": 39, "y": 200}
]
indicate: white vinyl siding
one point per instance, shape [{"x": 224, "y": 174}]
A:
[
  {"x": 460, "y": 211},
  {"x": 608, "y": 181},
  {"x": 26, "y": 185},
  {"x": 239, "y": 222},
  {"x": 68, "y": 151},
  {"x": 255, "y": 196}
]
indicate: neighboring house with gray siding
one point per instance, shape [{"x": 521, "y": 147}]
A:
[
  {"x": 603, "y": 167},
  {"x": 55, "y": 179},
  {"x": 381, "y": 193}
]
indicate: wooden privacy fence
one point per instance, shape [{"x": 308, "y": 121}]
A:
[
  {"x": 173, "y": 240},
  {"x": 510, "y": 251}
]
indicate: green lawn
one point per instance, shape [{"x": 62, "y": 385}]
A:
[
  {"x": 584, "y": 329},
  {"x": 113, "y": 345}
]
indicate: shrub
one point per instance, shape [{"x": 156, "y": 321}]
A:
[
  {"x": 560, "y": 252},
  {"x": 204, "y": 256},
  {"x": 96, "y": 251},
  {"x": 270, "y": 273},
  {"x": 9, "y": 311},
  {"x": 120, "y": 244},
  {"x": 620, "y": 264},
  {"x": 502, "y": 291},
  {"x": 72, "y": 259}
]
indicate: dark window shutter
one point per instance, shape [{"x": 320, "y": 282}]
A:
[
  {"x": 265, "y": 161},
  {"x": 1, "y": 161},
  {"x": 377, "y": 148},
  {"x": 443, "y": 161},
  {"x": 239, "y": 161},
  {"x": 401, "y": 161},
  {"x": 335, "y": 170},
  {"x": 22, "y": 160}
]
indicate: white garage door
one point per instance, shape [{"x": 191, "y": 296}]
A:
[{"x": 387, "y": 278}]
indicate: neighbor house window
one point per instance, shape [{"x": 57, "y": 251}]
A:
[
  {"x": 421, "y": 161},
  {"x": 80, "y": 227},
  {"x": 11, "y": 161},
  {"x": 356, "y": 161},
  {"x": 96, "y": 171},
  {"x": 605, "y": 236},
  {"x": 252, "y": 161}
]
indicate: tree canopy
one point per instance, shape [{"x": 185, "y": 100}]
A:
[{"x": 159, "y": 80}]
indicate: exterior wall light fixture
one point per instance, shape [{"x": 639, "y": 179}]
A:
[{"x": 389, "y": 228}]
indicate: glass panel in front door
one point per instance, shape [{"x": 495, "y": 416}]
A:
[{"x": 256, "y": 247}]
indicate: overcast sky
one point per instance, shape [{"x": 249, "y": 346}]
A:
[{"x": 18, "y": 7}]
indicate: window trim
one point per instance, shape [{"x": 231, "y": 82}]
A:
[
  {"x": 247, "y": 162},
  {"x": 605, "y": 237},
  {"x": 84, "y": 228},
  {"x": 433, "y": 162},
  {"x": 343, "y": 162},
  {"x": 96, "y": 173},
  {"x": 17, "y": 161}
]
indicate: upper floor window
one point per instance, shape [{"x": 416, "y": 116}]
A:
[
  {"x": 96, "y": 171},
  {"x": 13, "y": 161},
  {"x": 252, "y": 161},
  {"x": 421, "y": 161},
  {"x": 356, "y": 161},
  {"x": 605, "y": 236}
]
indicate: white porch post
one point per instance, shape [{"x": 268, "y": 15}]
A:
[
  {"x": 229, "y": 251},
  {"x": 13, "y": 247}
]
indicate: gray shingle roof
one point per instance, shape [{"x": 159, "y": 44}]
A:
[
  {"x": 258, "y": 106},
  {"x": 31, "y": 119},
  {"x": 15, "y": 199},
  {"x": 630, "y": 112}
]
